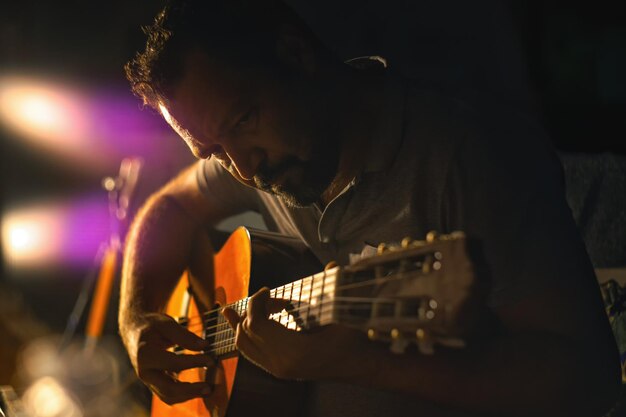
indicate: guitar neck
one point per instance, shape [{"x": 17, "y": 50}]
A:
[{"x": 312, "y": 305}]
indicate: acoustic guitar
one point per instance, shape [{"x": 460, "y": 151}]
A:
[{"x": 418, "y": 293}]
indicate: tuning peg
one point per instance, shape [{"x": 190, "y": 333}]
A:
[
  {"x": 382, "y": 248},
  {"x": 420, "y": 334},
  {"x": 427, "y": 312},
  {"x": 406, "y": 242},
  {"x": 424, "y": 342},
  {"x": 372, "y": 334},
  {"x": 456, "y": 235},
  {"x": 431, "y": 236},
  {"x": 398, "y": 343}
]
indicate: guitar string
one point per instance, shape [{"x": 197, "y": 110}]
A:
[
  {"x": 291, "y": 290},
  {"x": 230, "y": 347},
  {"x": 292, "y": 285},
  {"x": 299, "y": 288},
  {"x": 237, "y": 304},
  {"x": 319, "y": 307},
  {"x": 280, "y": 321},
  {"x": 195, "y": 323},
  {"x": 227, "y": 336},
  {"x": 230, "y": 340},
  {"x": 284, "y": 289}
]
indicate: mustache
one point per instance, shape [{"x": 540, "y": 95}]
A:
[{"x": 267, "y": 175}]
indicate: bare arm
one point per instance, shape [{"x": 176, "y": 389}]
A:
[
  {"x": 157, "y": 251},
  {"x": 159, "y": 243}
]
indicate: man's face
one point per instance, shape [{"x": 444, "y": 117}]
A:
[{"x": 276, "y": 135}]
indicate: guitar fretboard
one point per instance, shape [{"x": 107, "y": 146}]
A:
[{"x": 311, "y": 305}]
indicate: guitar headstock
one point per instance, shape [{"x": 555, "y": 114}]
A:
[{"x": 421, "y": 292}]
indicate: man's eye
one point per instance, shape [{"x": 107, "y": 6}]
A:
[{"x": 246, "y": 118}]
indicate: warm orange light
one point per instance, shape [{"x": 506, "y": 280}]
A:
[
  {"x": 30, "y": 237},
  {"x": 42, "y": 112},
  {"x": 55, "y": 119},
  {"x": 47, "y": 398}
]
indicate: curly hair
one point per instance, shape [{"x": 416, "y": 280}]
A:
[{"x": 241, "y": 32}]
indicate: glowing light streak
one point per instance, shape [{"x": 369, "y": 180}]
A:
[
  {"x": 92, "y": 129},
  {"x": 47, "y": 398},
  {"x": 44, "y": 113},
  {"x": 28, "y": 237},
  {"x": 55, "y": 233}
]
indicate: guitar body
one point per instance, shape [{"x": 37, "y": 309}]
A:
[
  {"x": 418, "y": 293},
  {"x": 245, "y": 390}
]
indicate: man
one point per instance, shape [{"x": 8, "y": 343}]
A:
[{"x": 345, "y": 156}]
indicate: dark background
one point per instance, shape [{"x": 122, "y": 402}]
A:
[{"x": 563, "y": 64}]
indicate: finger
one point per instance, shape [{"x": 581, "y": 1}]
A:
[
  {"x": 172, "y": 391},
  {"x": 257, "y": 323},
  {"x": 182, "y": 337},
  {"x": 263, "y": 331},
  {"x": 271, "y": 305},
  {"x": 170, "y": 361},
  {"x": 231, "y": 317},
  {"x": 330, "y": 265},
  {"x": 248, "y": 348},
  {"x": 276, "y": 305},
  {"x": 258, "y": 305}
]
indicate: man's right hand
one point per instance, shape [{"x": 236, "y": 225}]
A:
[{"x": 148, "y": 341}]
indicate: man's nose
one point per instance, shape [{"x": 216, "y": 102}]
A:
[{"x": 246, "y": 163}]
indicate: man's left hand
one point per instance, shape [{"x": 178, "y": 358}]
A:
[{"x": 330, "y": 352}]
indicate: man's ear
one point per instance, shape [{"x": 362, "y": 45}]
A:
[{"x": 296, "y": 50}]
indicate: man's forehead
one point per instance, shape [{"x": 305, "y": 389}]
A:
[
  {"x": 203, "y": 99},
  {"x": 182, "y": 132}
]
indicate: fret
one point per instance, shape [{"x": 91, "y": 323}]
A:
[
  {"x": 215, "y": 335},
  {"x": 224, "y": 334},
  {"x": 275, "y": 294},
  {"x": 292, "y": 323},
  {"x": 321, "y": 300},
  {"x": 306, "y": 291},
  {"x": 310, "y": 306},
  {"x": 300, "y": 302},
  {"x": 284, "y": 314},
  {"x": 281, "y": 316},
  {"x": 326, "y": 296},
  {"x": 220, "y": 335},
  {"x": 305, "y": 285},
  {"x": 231, "y": 340}
]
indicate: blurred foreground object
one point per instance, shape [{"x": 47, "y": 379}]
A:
[
  {"x": 76, "y": 382},
  {"x": 10, "y": 404},
  {"x": 70, "y": 376}
]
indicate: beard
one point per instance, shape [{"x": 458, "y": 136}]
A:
[{"x": 299, "y": 183}]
